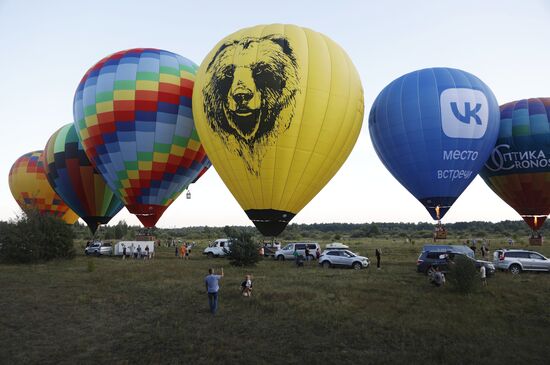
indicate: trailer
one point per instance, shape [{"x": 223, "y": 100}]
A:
[{"x": 132, "y": 248}]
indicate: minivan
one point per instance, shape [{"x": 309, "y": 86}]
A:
[
  {"x": 287, "y": 252},
  {"x": 218, "y": 248}
]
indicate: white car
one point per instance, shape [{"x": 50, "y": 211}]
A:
[
  {"x": 99, "y": 248},
  {"x": 218, "y": 248},
  {"x": 287, "y": 252},
  {"x": 343, "y": 258}
]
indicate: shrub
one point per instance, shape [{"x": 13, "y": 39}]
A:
[
  {"x": 463, "y": 275},
  {"x": 244, "y": 251},
  {"x": 34, "y": 237}
]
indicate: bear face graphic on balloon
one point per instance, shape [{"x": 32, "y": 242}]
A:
[{"x": 249, "y": 95}]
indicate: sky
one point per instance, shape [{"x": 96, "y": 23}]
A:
[{"x": 47, "y": 46}]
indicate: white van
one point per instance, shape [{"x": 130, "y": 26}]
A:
[
  {"x": 287, "y": 252},
  {"x": 132, "y": 248},
  {"x": 218, "y": 248}
]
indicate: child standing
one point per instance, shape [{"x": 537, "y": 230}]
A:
[{"x": 246, "y": 286}]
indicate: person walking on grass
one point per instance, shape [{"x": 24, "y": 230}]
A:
[
  {"x": 212, "y": 288},
  {"x": 378, "y": 253}
]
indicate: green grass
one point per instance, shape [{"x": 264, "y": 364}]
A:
[{"x": 127, "y": 312}]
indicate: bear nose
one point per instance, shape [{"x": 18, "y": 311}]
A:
[{"x": 242, "y": 97}]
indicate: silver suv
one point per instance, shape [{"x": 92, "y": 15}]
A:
[
  {"x": 99, "y": 248},
  {"x": 517, "y": 261},
  {"x": 344, "y": 258}
]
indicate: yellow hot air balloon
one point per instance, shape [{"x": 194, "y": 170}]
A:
[
  {"x": 278, "y": 109},
  {"x": 31, "y": 189}
]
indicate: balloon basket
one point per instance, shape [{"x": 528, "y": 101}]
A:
[
  {"x": 440, "y": 232},
  {"x": 536, "y": 241}
]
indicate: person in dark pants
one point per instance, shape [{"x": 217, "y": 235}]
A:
[
  {"x": 212, "y": 287},
  {"x": 378, "y": 253}
]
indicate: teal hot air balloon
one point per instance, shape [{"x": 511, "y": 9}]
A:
[
  {"x": 132, "y": 113},
  {"x": 433, "y": 129},
  {"x": 76, "y": 181},
  {"x": 518, "y": 170}
]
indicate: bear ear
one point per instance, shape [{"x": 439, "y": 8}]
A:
[
  {"x": 220, "y": 50},
  {"x": 282, "y": 42}
]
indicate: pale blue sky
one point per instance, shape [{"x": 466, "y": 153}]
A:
[{"x": 47, "y": 46}]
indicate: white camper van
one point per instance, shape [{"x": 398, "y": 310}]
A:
[
  {"x": 132, "y": 248},
  {"x": 218, "y": 248}
]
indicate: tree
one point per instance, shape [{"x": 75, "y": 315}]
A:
[
  {"x": 463, "y": 274},
  {"x": 34, "y": 237},
  {"x": 244, "y": 251}
]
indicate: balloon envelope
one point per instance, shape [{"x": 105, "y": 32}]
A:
[
  {"x": 433, "y": 129},
  {"x": 75, "y": 180},
  {"x": 30, "y": 188},
  {"x": 278, "y": 108},
  {"x": 132, "y": 113},
  {"x": 518, "y": 169}
]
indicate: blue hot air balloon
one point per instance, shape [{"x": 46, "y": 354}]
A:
[{"x": 434, "y": 129}]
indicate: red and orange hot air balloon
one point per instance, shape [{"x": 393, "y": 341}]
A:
[
  {"x": 518, "y": 170},
  {"x": 30, "y": 188}
]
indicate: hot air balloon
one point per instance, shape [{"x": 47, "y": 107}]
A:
[
  {"x": 433, "y": 129},
  {"x": 132, "y": 113},
  {"x": 278, "y": 109},
  {"x": 30, "y": 188},
  {"x": 518, "y": 169},
  {"x": 75, "y": 180}
]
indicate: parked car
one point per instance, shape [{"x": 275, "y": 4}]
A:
[
  {"x": 218, "y": 248},
  {"x": 516, "y": 261},
  {"x": 287, "y": 252},
  {"x": 438, "y": 256},
  {"x": 99, "y": 248},
  {"x": 343, "y": 258},
  {"x": 336, "y": 246}
]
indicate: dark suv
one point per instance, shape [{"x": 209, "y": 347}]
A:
[{"x": 429, "y": 260}]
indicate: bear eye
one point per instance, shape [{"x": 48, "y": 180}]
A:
[
  {"x": 227, "y": 72},
  {"x": 266, "y": 77}
]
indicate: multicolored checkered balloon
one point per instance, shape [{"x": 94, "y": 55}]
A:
[
  {"x": 132, "y": 113},
  {"x": 77, "y": 182},
  {"x": 31, "y": 190}
]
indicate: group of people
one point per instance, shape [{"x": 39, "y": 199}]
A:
[
  {"x": 137, "y": 253},
  {"x": 437, "y": 277},
  {"x": 184, "y": 251},
  {"x": 299, "y": 258},
  {"x": 212, "y": 283},
  {"x": 484, "y": 249}
]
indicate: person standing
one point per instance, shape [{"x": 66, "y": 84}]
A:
[
  {"x": 183, "y": 251},
  {"x": 378, "y": 253},
  {"x": 483, "y": 274},
  {"x": 212, "y": 288},
  {"x": 123, "y": 251}
]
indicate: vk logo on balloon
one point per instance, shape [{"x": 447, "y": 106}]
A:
[{"x": 464, "y": 113}]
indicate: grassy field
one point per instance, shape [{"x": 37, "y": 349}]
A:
[{"x": 106, "y": 310}]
